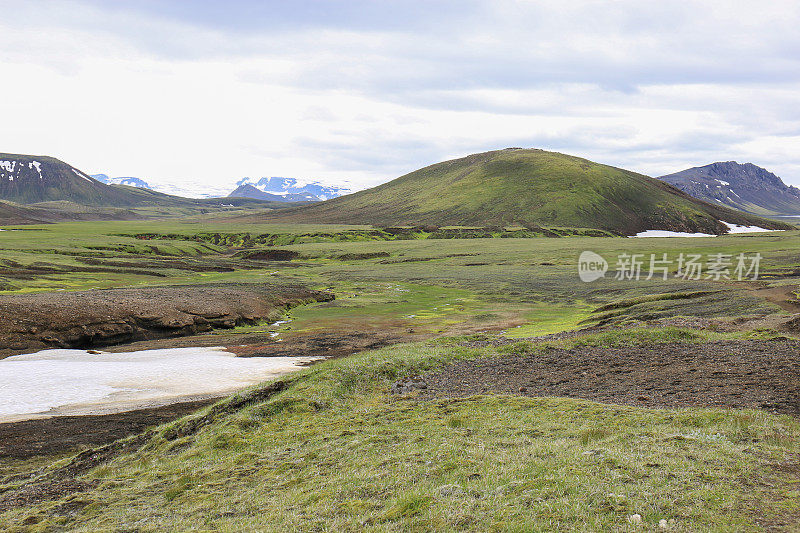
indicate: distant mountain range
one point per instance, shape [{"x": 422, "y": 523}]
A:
[
  {"x": 741, "y": 186},
  {"x": 274, "y": 189},
  {"x": 530, "y": 188},
  {"x": 512, "y": 187},
  {"x": 131, "y": 182},
  {"x": 286, "y": 189},
  {"x": 44, "y": 189}
]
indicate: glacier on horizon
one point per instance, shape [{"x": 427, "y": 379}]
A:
[{"x": 285, "y": 186}]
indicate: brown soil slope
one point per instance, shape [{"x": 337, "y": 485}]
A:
[{"x": 85, "y": 319}]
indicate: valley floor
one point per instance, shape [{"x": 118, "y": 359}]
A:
[{"x": 471, "y": 385}]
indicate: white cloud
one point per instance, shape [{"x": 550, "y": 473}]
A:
[{"x": 187, "y": 103}]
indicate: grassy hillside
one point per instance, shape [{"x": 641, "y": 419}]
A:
[
  {"x": 531, "y": 188},
  {"x": 17, "y": 214}
]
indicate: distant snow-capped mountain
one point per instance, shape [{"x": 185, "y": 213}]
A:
[
  {"x": 30, "y": 179},
  {"x": 287, "y": 189},
  {"x": 133, "y": 182}
]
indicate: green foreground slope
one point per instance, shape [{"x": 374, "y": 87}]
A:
[
  {"x": 329, "y": 450},
  {"x": 527, "y": 187}
]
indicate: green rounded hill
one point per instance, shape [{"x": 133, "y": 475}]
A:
[{"x": 527, "y": 187}]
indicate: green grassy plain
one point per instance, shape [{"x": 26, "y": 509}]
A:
[{"x": 534, "y": 278}]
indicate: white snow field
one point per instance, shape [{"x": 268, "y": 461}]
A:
[{"x": 75, "y": 382}]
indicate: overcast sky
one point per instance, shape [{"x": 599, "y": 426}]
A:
[{"x": 198, "y": 94}]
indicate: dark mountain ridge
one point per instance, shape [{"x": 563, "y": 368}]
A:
[
  {"x": 742, "y": 186},
  {"x": 26, "y": 179},
  {"x": 247, "y": 190}
]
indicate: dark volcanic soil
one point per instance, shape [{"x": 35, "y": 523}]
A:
[
  {"x": 315, "y": 344},
  {"x": 56, "y": 435},
  {"x": 30, "y": 322},
  {"x": 737, "y": 374}
]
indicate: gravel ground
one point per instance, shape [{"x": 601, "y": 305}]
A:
[{"x": 737, "y": 374}]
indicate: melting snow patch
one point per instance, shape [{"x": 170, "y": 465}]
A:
[
  {"x": 732, "y": 228},
  {"x": 661, "y": 233},
  {"x": 77, "y": 382},
  {"x": 735, "y": 228},
  {"x": 723, "y": 182}
]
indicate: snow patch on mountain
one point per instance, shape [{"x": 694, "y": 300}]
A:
[
  {"x": 663, "y": 233},
  {"x": 295, "y": 188},
  {"x": 81, "y": 175},
  {"x": 37, "y": 166},
  {"x": 130, "y": 181}
]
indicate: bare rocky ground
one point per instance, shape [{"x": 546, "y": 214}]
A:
[
  {"x": 759, "y": 374},
  {"x": 97, "y": 318}
]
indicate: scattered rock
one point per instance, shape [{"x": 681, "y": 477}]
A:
[
  {"x": 450, "y": 490},
  {"x": 635, "y": 519},
  {"x": 408, "y": 385},
  {"x": 362, "y": 255}
]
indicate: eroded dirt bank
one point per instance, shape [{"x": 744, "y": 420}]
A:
[
  {"x": 763, "y": 374},
  {"x": 96, "y": 318}
]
